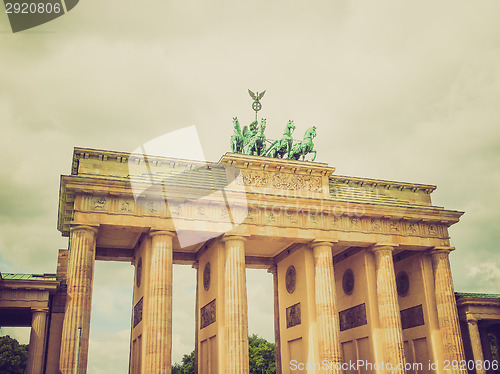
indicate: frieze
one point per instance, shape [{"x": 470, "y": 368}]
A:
[
  {"x": 353, "y": 317},
  {"x": 290, "y": 217},
  {"x": 412, "y": 317},
  {"x": 138, "y": 312},
  {"x": 293, "y": 316},
  {"x": 207, "y": 314},
  {"x": 285, "y": 181}
]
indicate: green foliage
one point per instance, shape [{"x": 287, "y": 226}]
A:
[
  {"x": 494, "y": 352},
  {"x": 187, "y": 365},
  {"x": 262, "y": 355},
  {"x": 13, "y": 356}
]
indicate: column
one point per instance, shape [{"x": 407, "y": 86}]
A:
[
  {"x": 277, "y": 339},
  {"x": 388, "y": 309},
  {"x": 449, "y": 326},
  {"x": 235, "y": 308},
  {"x": 79, "y": 300},
  {"x": 475, "y": 342},
  {"x": 196, "y": 266},
  {"x": 37, "y": 340},
  {"x": 158, "y": 311},
  {"x": 326, "y": 307}
]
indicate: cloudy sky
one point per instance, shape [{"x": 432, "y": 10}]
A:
[{"x": 406, "y": 91}]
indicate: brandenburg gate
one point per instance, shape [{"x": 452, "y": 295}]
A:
[{"x": 361, "y": 268}]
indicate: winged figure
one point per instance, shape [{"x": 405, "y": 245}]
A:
[{"x": 256, "y": 96}]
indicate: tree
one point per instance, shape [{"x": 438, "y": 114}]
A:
[
  {"x": 187, "y": 365},
  {"x": 262, "y": 355},
  {"x": 13, "y": 356}
]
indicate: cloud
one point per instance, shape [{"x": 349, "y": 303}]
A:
[{"x": 109, "y": 352}]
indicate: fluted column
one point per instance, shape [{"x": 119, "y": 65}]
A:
[
  {"x": 326, "y": 307},
  {"x": 158, "y": 313},
  {"x": 196, "y": 266},
  {"x": 277, "y": 336},
  {"x": 475, "y": 342},
  {"x": 79, "y": 299},
  {"x": 449, "y": 326},
  {"x": 235, "y": 308},
  {"x": 388, "y": 309},
  {"x": 37, "y": 339}
]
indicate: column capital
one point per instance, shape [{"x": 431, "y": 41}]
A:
[
  {"x": 471, "y": 319},
  {"x": 380, "y": 247},
  {"x": 39, "y": 310},
  {"x": 441, "y": 250},
  {"x": 195, "y": 265},
  {"x": 273, "y": 269},
  {"x": 229, "y": 237},
  {"x": 154, "y": 232},
  {"x": 84, "y": 227},
  {"x": 327, "y": 243}
]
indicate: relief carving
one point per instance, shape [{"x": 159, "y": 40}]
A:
[
  {"x": 412, "y": 317},
  {"x": 293, "y": 315},
  {"x": 176, "y": 209},
  {"x": 402, "y": 284},
  {"x": 335, "y": 222},
  {"x": 201, "y": 210},
  {"x": 314, "y": 218},
  {"x": 126, "y": 207},
  {"x": 411, "y": 228},
  {"x": 290, "y": 279},
  {"x": 99, "y": 203},
  {"x": 354, "y": 223},
  {"x": 150, "y": 207},
  {"x": 206, "y": 276},
  {"x": 353, "y": 317},
  {"x": 291, "y": 217},
  {"x": 394, "y": 226},
  {"x": 348, "y": 282},
  {"x": 376, "y": 225},
  {"x": 432, "y": 231},
  {"x": 271, "y": 218},
  {"x": 207, "y": 314},
  {"x": 281, "y": 181},
  {"x": 138, "y": 312}
]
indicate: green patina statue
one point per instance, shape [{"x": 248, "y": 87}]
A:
[
  {"x": 305, "y": 146},
  {"x": 283, "y": 146},
  {"x": 256, "y": 144},
  {"x": 237, "y": 139},
  {"x": 252, "y": 140}
]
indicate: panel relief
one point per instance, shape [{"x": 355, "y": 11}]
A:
[{"x": 257, "y": 178}]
